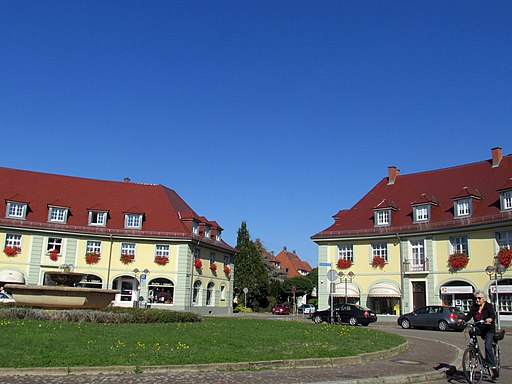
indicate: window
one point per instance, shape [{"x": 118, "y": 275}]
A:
[
  {"x": 97, "y": 218},
  {"x": 209, "y": 294},
  {"x": 162, "y": 250},
  {"x": 459, "y": 244},
  {"x": 226, "y": 260},
  {"x": 197, "y": 253},
  {"x": 54, "y": 243},
  {"x": 212, "y": 257},
  {"x": 380, "y": 250},
  {"x": 128, "y": 249},
  {"x": 417, "y": 253},
  {"x": 421, "y": 213},
  {"x": 133, "y": 220},
  {"x": 462, "y": 207},
  {"x": 16, "y": 210},
  {"x": 58, "y": 214},
  {"x": 207, "y": 231},
  {"x": 93, "y": 246},
  {"x": 346, "y": 252},
  {"x": 13, "y": 240},
  {"x": 382, "y": 217},
  {"x": 504, "y": 239},
  {"x": 195, "y": 294},
  {"x": 195, "y": 228},
  {"x": 506, "y": 200},
  {"x": 218, "y": 234},
  {"x": 223, "y": 293}
]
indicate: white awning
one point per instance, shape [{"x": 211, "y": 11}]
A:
[
  {"x": 352, "y": 290},
  {"x": 8, "y": 276},
  {"x": 384, "y": 290}
]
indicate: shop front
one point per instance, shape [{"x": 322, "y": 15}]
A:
[
  {"x": 346, "y": 293},
  {"x": 384, "y": 299},
  {"x": 457, "y": 294},
  {"x": 502, "y": 295}
]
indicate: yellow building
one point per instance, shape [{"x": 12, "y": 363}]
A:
[
  {"x": 435, "y": 233},
  {"x": 141, "y": 239}
]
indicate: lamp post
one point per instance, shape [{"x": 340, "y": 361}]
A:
[
  {"x": 493, "y": 271},
  {"x": 137, "y": 272},
  {"x": 348, "y": 277}
]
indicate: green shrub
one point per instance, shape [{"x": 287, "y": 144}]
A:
[{"x": 242, "y": 308}]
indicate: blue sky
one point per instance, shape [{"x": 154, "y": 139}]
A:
[{"x": 279, "y": 113}]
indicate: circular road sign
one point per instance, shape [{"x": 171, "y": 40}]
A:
[{"x": 332, "y": 275}]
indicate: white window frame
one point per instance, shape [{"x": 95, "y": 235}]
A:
[
  {"x": 210, "y": 294},
  {"x": 346, "y": 252},
  {"x": 417, "y": 252},
  {"x": 383, "y": 217},
  {"x": 380, "y": 249},
  {"x": 207, "y": 231},
  {"x": 196, "y": 293},
  {"x": 195, "y": 227},
  {"x": 128, "y": 249},
  {"x": 504, "y": 239},
  {"x": 57, "y": 214},
  {"x": 54, "y": 243},
  {"x": 212, "y": 257},
  {"x": 133, "y": 220},
  {"x": 463, "y": 207},
  {"x": 506, "y": 201},
  {"x": 98, "y": 218},
  {"x": 422, "y": 213},
  {"x": 218, "y": 234},
  {"x": 162, "y": 250},
  {"x": 223, "y": 293},
  {"x": 12, "y": 240},
  {"x": 459, "y": 244},
  {"x": 16, "y": 210},
  {"x": 93, "y": 246}
]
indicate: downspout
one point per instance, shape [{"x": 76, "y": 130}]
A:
[
  {"x": 192, "y": 276},
  {"x": 109, "y": 262},
  {"x": 401, "y": 275}
]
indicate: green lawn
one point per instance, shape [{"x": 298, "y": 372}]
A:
[{"x": 33, "y": 343}]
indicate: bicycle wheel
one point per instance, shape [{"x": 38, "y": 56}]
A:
[
  {"x": 473, "y": 366},
  {"x": 496, "y": 348}
]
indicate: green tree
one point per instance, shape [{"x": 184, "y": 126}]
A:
[
  {"x": 250, "y": 271},
  {"x": 303, "y": 285}
]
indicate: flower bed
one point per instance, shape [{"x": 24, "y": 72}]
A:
[
  {"x": 378, "y": 262},
  {"x": 12, "y": 251},
  {"x": 344, "y": 264},
  {"x": 458, "y": 261}
]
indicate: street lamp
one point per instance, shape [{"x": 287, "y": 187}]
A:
[
  {"x": 137, "y": 272},
  {"x": 346, "y": 278},
  {"x": 493, "y": 271}
]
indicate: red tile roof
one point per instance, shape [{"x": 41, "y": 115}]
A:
[
  {"x": 479, "y": 181},
  {"x": 292, "y": 262},
  {"x": 161, "y": 207}
]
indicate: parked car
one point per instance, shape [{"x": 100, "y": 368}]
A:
[
  {"x": 281, "y": 309},
  {"x": 306, "y": 308},
  {"x": 352, "y": 314},
  {"x": 6, "y": 298},
  {"x": 434, "y": 316}
]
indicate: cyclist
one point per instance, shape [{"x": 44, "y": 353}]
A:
[{"x": 483, "y": 310}]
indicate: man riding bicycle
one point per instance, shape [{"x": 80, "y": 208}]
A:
[{"x": 483, "y": 310}]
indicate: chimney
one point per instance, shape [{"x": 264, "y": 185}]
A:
[
  {"x": 126, "y": 180},
  {"x": 497, "y": 155},
  {"x": 284, "y": 248},
  {"x": 393, "y": 173}
]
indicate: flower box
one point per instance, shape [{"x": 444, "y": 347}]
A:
[
  {"x": 213, "y": 266},
  {"x": 344, "y": 263},
  {"x": 161, "y": 260},
  {"x": 505, "y": 257},
  {"x": 378, "y": 262},
  {"x": 92, "y": 257},
  {"x": 126, "y": 258},
  {"x": 54, "y": 254},
  {"x": 458, "y": 261},
  {"x": 12, "y": 251},
  {"x": 198, "y": 263},
  {"x": 227, "y": 270}
]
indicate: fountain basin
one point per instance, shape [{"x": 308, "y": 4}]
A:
[{"x": 43, "y": 296}]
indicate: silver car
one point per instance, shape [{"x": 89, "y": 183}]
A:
[{"x": 434, "y": 316}]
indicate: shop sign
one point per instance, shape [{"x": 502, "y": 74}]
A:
[
  {"x": 502, "y": 289},
  {"x": 454, "y": 290}
]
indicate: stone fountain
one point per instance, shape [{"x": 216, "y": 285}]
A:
[{"x": 62, "y": 291}]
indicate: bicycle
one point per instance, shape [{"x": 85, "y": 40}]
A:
[{"x": 474, "y": 364}]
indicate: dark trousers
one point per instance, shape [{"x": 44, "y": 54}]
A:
[{"x": 488, "y": 337}]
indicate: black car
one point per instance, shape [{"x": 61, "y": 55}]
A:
[
  {"x": 434, "y": 316},
  {"x": 352, "y": 314}
]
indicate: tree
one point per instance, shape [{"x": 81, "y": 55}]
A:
[
  {"x": 250, "y": 271},
  {"x": 303, "y": 285}
]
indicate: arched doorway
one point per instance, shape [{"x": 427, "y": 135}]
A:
[
  {"x": 196, "y": 294},
  {"x": 161, "y": 291},
  {"x": 128, "y": 288},
  {"x": 457, "y": 294},
  {"x": 209, "y": 294},
  {"x": 91, "y": 281}
]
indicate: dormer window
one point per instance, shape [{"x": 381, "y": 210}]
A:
[
  {"x": 463, "y": 207},
  {"x": 98, "y": 218},
  {"x": 207, "y": 231},
  {"x": 195, "y": 228},
  {"x": 506, "y": 200},
  {"x": 218, "y": 234},
  {"x": 383, "y": 217},
  {"x": 421, "y": 213},
  {"x": 133, "y": 220},
  {"x": 16, "y": 210},
  {"x": 58, "y": 214}
]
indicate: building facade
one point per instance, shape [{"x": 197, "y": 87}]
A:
[
  {"x": 421, "y": 239},
  {"x": 141, "y": 239},
  {"x": 290, "y": 263}
]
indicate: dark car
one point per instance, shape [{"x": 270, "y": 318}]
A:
[
  {"x": 281, "y": 309},
  {"x": 352, "y": 314},
  {"x": 434, "y": 316}
]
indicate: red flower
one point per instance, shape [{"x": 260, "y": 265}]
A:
[
  {"x": 505, "y": 256},
  {"x": 344, "y": 263},
  {"x": 227, "y": 270},
  {"x": 378, "y": 261},
  {"x": 161, "y": 260},
  {"x": 458, "y": 261},
  {"x": 12, "y": 251},
  {"x": 197, "y": 262},
  {"x": 213, "y": 266},
  {"x": 126, "y": 258},
  {"x": 54, "y": 254},
  {"x": 92, "y": 257}
]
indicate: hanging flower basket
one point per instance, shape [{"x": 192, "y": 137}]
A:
[
  {"x": 344, "y": 264},
  {"x": 161, "y": 260},
  {"x": 505, "y": 257},
  {"x": 378, "y": 262},
  {"x": 213, "y": 266},
  {"x": 198, "y": 263},
  {"x": 227, "y": 270},
  {"x": 126, "y": 258},
  {"x": 12, "y": 251},
  {"x": 54, "y": 254},
  {"x": 92, "y": 257},
  {"x": 458, "y": 261}
]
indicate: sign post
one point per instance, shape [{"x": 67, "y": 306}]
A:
[
  {"x": 245, "y": 295},
  {"x": 332, "y": 275}
]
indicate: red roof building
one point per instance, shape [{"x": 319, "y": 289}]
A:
[{"x": 290, "y": 263}]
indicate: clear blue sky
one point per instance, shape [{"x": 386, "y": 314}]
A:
[{"x": 279, "y": 113}]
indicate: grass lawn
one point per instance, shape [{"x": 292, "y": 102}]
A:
[{"x": 33, "y": 343}]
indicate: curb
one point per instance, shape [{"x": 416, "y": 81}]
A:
[{"x": 271, "y": 364}]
